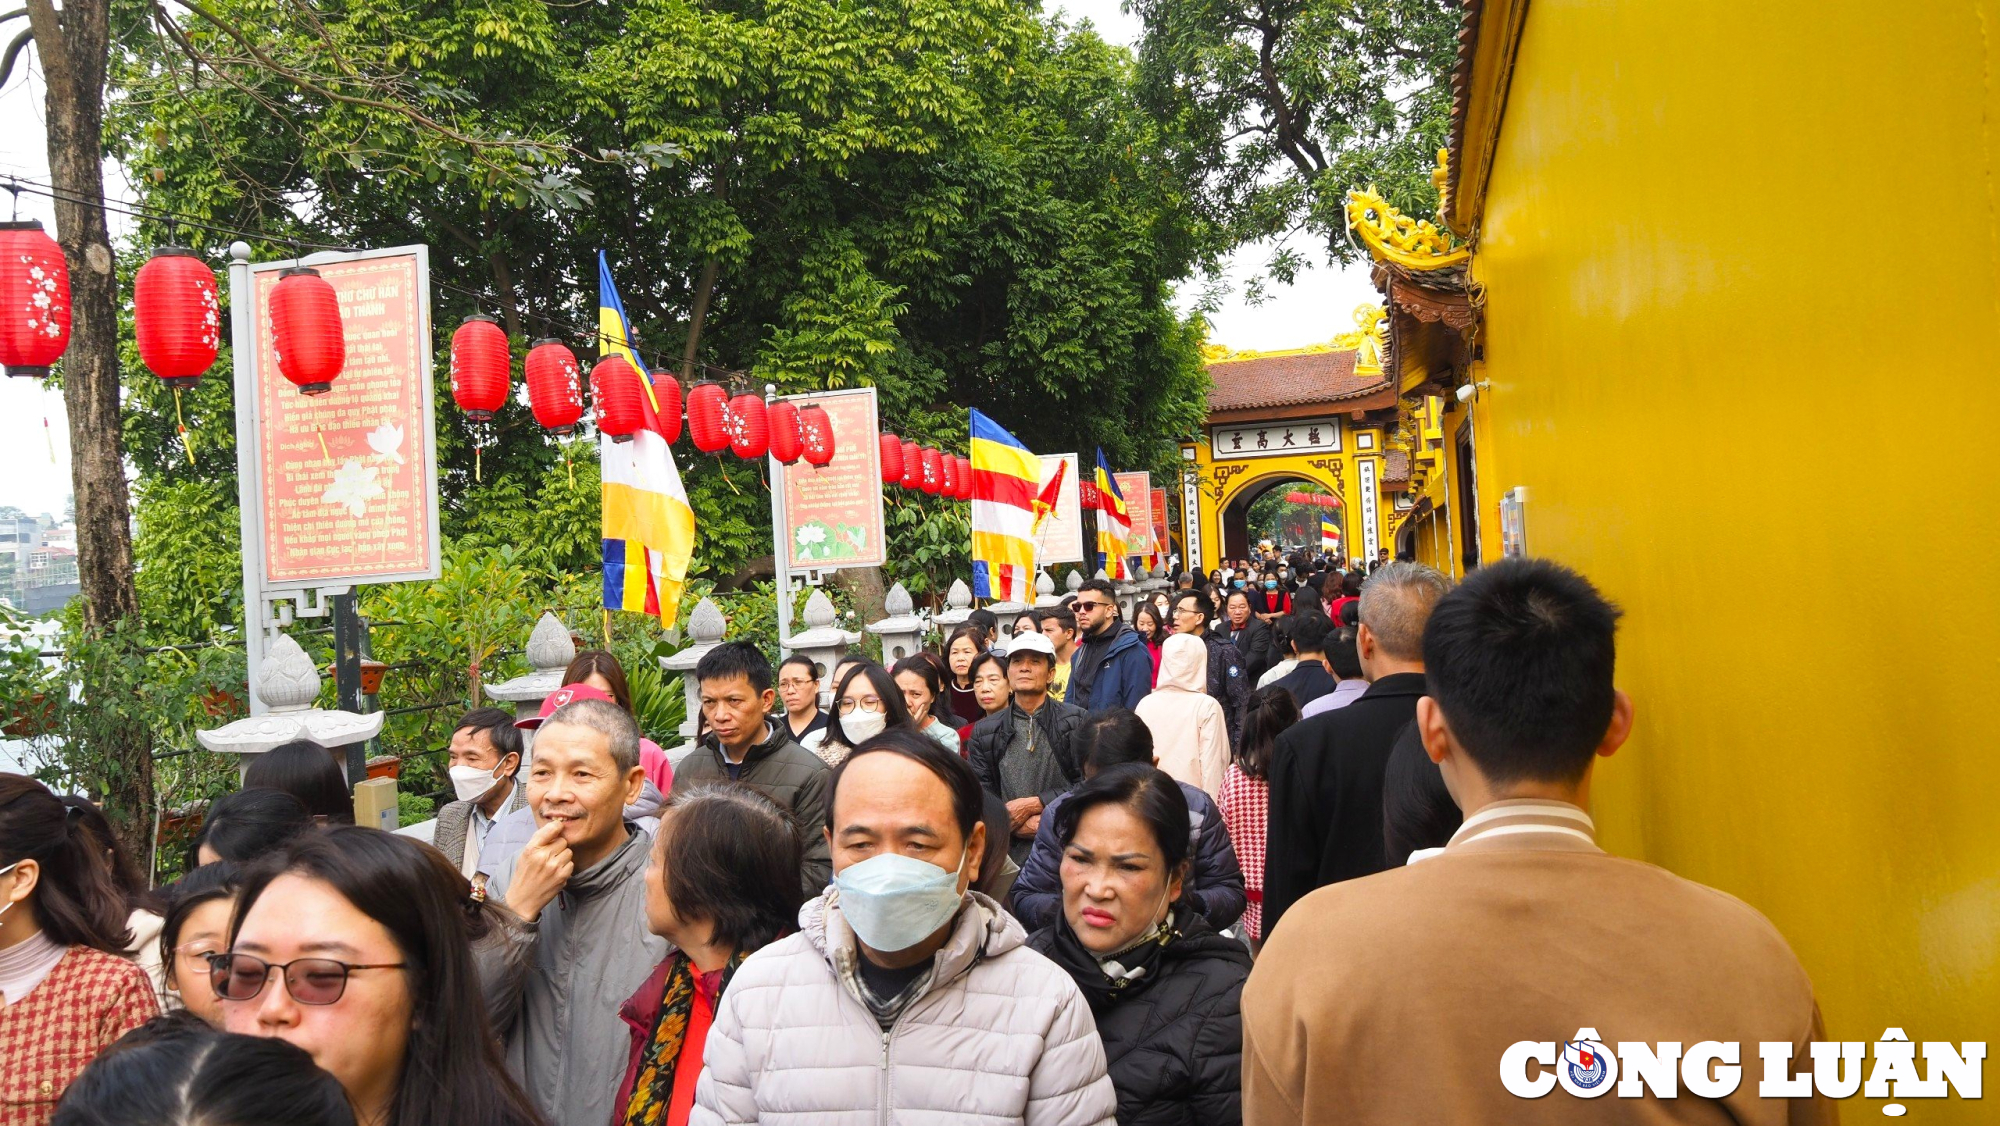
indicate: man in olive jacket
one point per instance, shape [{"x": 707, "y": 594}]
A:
[
  {"x": 742, "y": 744},
  {"x": 1022, "y": 753}
]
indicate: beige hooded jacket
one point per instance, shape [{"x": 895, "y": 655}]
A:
[{"x": 1190, "y": 732}]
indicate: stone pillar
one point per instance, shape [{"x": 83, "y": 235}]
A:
[
  {"x": 959, "y": 601},
  {"x": 550, "y": 650},
  {"x": 1128, "y": 592},
  {"x": 1045, "y": 591},
  {"x": 706, "y": 625},
  {"x": 1006, "y": 612},
  {"x": 822, "y": 640},
  {"x": 1075, "y": 580},
  {"x": 902, "y": 632},
  {"x": 287, "y": 683}
]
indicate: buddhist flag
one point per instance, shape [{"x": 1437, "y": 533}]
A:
[
  {"x": 1329, "y": 534},
  {"x": 1114, "y": 523},
  {"x": 1005, "y": 481},
  {"x": 648, "y": 525}
]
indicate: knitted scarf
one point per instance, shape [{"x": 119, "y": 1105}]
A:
[{"x": 653, "y": 1090}]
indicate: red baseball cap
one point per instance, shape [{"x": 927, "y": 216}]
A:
[{"x": 566, "y": 694}]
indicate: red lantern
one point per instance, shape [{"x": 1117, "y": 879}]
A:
[
  {"x": 707, "y": 404},
  {"x": 176, "y": 316},
  {"x": 964, "y": 478},
  {"x": 306, "y": 333},
  {"x": 34, "y": 299},
  {"x": 892, "y": 459},
  {"x": 913, "y": 465},
  {"x": 667, "y": 396},
  {"x": 786, "y": 445},
  {"x": 816, "y": 435},
  {"x": 555, "y": 385},
  {"x": 947, "y": 476},
  {"x": 615, "y": 391},
  {"x": 749, "y": 426},
  {"x": 480, "y": 367},
  {"x": 933, "y": 478}
]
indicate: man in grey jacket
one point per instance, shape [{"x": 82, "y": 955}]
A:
[{"x": 579, "y": 889}]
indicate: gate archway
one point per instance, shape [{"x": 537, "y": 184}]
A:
[{"x": 1264, "y": 509}]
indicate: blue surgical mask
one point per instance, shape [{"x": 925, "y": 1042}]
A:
[
  {"x": 1237, "y": 583},
  {"x": 1270, "y": 584},
  {"x": 894, "y": 901}
]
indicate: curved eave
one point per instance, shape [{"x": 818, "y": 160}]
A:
[{"x": 1489, "y": 34}]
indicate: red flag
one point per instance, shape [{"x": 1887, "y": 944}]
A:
[{"x": 1046, "y": 502}]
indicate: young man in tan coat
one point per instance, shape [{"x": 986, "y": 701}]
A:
[{"x": 1406, "y": 996}]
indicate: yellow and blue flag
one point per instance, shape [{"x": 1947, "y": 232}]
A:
[
  {"x": 1114, "y": 523},
  {"x": 648, "y": 524},
  {"x": 1329, "y": 534},
  {"x": 1006, "y": 478}
]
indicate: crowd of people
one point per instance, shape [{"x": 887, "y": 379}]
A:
[{"x": 1236, "y": 854}]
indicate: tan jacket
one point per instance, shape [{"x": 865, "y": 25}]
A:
[{"x": 1390, "y": 1000}]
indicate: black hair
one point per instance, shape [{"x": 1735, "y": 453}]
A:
[
  {"x": 732, "y": 659},
  {"x": 1149, "y": 792},
  {"x": 124, "y": 873},
  {"x": 1100, "y": 586},
  {"x": 1061, "y": 615},
  {"x": 1033, "y": 616},
  {"x": 308, "y": 772},
  {"x": 1520, "y": 659},
  {"x": 189, "y": 1075},
  {"x": 1281, "y": 636},
  {"x": 1417, "y": 810},
  {"x": 987, "y": 621},
  {"x": 1203, "y": 602},
  {"x": 205, "y": 884},
  {"x": 1343, "y": 651},
  {"x": 1309, "y": 631},
  {"x": 1160, "y": 629},
  {"x": 76, "y": 901},
  {"x": 1269, "y": 713},
  {"x": 1306, "y": 600},
  {"x": 950, "y": 768},
  {"x": 924, "y": 666},
  {"x": 731, "y": 857},
  {"x": 451, "y": 1073},
  {"x": 498, "y": 726},
  {"x": 603, "y": 664},
  {"x": 811, "y": 666},
  {"x": 999, "y": 828},
  {"x": 885, "y": 686},
  {"x": 1112, "y": 737},
  {"x": 247, "y": 824},
  {"x": 998, "y": 662}
]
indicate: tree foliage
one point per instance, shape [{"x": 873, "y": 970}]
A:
[{"x": 1277, "y": 107}]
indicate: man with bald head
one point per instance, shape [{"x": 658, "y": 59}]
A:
[{"x": 1326, "y": 772}]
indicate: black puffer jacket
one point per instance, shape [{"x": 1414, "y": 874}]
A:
[
  {"x": 987, "y": 744},
  {"x": 1173, "y": 1041}
]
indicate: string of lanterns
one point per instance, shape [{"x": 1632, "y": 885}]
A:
[
  {"x": 921, "y": 469},
  {"x": 1320, "y": 500}
]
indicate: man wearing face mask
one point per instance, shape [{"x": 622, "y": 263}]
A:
[
  {"x": 904, "y": 996},
  {"x": 485, "y": 760}
]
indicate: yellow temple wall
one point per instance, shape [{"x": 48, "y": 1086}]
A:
[{"x": 1741, "y": 267}]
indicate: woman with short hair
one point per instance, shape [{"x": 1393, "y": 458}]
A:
[
  {"x": 798, "y": 693},
  {"x": 196, "y": 925},
  {"x": 722, "y": 882},
  {"x": 308, "y": 772},
  {"x": 990, "y": 691},
  {"x": 1163, "y": 985}
]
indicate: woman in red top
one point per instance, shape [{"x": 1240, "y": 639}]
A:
[
  {"x": 68, "y": 991},
  {"x": 1151, "y": 626},
  {"x": 723, "y": 881}
]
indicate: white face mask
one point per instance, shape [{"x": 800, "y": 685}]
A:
[
  {"x": 862, "y": 726},
  {"x": 471, "y": 783},
  {"x": 894, "y": 901}
]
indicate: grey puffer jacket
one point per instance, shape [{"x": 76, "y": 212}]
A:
[
  {"x": 565, "y": 1042},
  {"x": 1000, "y": 1035}
]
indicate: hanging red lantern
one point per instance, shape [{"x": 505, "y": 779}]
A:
[
  {"x": 480, "y": 367},
  {"x": 616, "y": 394},
  {"x": 707, "y": 404},
  {"x": 947, "y": 476},
  {"x": 816, "y": 435},
  {"x": 176, "y": 315},
  {"x": 34, "y": 299},
  {"x": 306, "y": 333},
  {"x": 555, "y": 385},
  {"x": 667, "y": 400},
  {"x": 892, "y": 459},
  {"x": 964, "y": 478},
  {"x": 933, "y": 472},
  {"x": 785, "y": 443},
  {"x": 749, "y": 429},
  {"x": 913, "y": 465}
]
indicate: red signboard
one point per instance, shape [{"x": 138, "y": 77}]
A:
[
  {"x": 1138, "y": 490},
  {"x": 1160, "y": 539},
  {"x": 349, "y": 478},
  {"x": 833, "y": 515}
]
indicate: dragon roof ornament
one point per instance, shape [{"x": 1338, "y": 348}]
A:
[{"x": 1391, "y": 236}]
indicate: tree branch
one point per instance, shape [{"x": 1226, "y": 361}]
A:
[{"x": 14, "y": 50}]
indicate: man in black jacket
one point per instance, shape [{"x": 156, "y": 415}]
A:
[
  {"x": 1227, "y": 684},
  {"x": 1326, "y": 772},
  {"x": 1250, "y": 634},
  {"x": 1023, "y": 754}
]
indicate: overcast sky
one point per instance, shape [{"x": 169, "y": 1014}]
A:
[{"x": 32, "y": 418}]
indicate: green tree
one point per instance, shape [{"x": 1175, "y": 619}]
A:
[{"x": 1278, "y": 107}]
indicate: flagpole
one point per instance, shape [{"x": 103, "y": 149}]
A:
[{"x": 781, "y": 543}]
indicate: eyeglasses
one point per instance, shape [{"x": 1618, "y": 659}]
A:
[
  {"x": 867, "y": 704},
  {"x": 795, "y": 684},
  {"x": 311, "y": 981}
]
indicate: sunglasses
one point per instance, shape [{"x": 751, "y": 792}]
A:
[
  {"x": 311, "y": 981},
  {"x": 1080, "y": 604}
]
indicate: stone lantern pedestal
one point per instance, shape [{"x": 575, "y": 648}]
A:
[
  {"x": 550, "y": 650},
  {"x": 288, "y": 684},
  {"x": 902, "y": 632},
  {"x": 822, "y": 640},
  {"x": 959, "y": 607},
  {"x": 706, "y": 626}
]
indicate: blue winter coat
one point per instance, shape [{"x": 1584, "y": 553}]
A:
[
  {"x": 1124, "y": 672},
  {"x": 1214, "y": 883}
]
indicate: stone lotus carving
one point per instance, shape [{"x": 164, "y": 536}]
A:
[{"x": 288, "y": 683}]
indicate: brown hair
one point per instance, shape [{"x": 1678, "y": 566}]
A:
[
  {"x": 732, "y": 857},
  {"x": 76, "y": 900},
  {"x": 605, "y": 665}
]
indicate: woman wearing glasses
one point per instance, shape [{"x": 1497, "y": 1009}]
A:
[
  {"x": 196, "y": 925},
  {"x": 798, "y": 690},
  {"x": 356, "y": 945},
  {"x": 866, "y": 702},
  {"x": 67, "y": 988}
]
